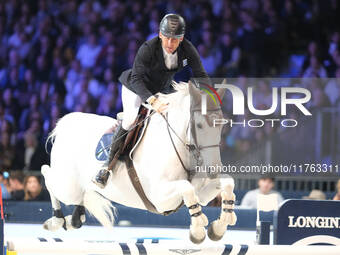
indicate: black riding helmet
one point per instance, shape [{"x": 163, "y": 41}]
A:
[{"x": 172, "y": 25}]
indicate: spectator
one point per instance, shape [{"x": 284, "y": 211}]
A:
[
  {"x": 108, "y": 60},
  {"x": 7, "y": 152},
  {"x": 312, "y": 51},
  {"x": 231, "y": 56},
  {"x": 29, "y": 87},
  {"x": 88, "y": 52},
  {"x": 44, "y": 95},
  {"x": 208, "y": 58},
  {"x": 16, "y": 185},
  {"x": 14, "y": 40},
  {"x": 8, "y": 127},
  {"x": 333, "y": 51},
  {"x": 51, "y": 121},
  {"x": 251, "y": 39},
  {"x": 334, "y": 43},
  {"x": 106, "y": 105},
  {"x": 34, "y": 155},
  {"x": 266, "y": 185},
  {"x": 4, "y": 185},
  {"x": 332, "y": 88},
  {"x": 315, "y": 194},
  {"x": 33, "y": 189},
  {"x": 337, "y": 195},
  {"x": 73, "y": 76},
  {"x": 34, "y": 106},
  {"x": 315, "y": 69},
  {"x": 41, "y": 70},
  {"x": 4, "y": 114},
  {"x": 11, "y": 104},
  {"x": 263, "y": 95},
  {"x": 319, "y": 98}
]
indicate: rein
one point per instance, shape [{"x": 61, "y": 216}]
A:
[{"x": 193, "y": 148}]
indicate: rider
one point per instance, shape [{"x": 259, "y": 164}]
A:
[{"x": 156, "y": 63}]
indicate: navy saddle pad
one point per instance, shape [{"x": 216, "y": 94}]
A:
[{"x": 103, "y": 147}]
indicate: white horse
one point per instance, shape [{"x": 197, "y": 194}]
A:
[{"x": 165, "y": 183}]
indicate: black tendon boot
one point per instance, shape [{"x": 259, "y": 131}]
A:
[{"x": 117, "y": 141}]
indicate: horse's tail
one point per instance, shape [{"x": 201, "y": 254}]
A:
[
  {"x": 51, "y": 136},
  {"x": 100, "y": 207}
]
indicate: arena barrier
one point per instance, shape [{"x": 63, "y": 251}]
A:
[
  {"x": 59, "y": 246},
  {"x": 2, "y": 250},
  {"x": 293, "y": 236}
]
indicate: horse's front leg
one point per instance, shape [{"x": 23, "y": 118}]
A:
[
  {"x": 227, "y": 217},
  {"x": 167, "y": 192},
  {"x": 57, "y": 220}
]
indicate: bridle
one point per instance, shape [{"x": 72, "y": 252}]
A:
[{"x": 194, "y": 148}]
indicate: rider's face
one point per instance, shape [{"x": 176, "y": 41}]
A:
[{"x": 170, "y": 44}]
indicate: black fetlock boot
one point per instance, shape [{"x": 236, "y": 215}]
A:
[{"x": 117, "y": 141}]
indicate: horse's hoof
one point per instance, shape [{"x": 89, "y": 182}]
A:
[
  {"x": 78, "y": 222},
  {"x": 54, "y": 223},
  {"x": 71, "y": 223},
  {"x": 216, "y": 230},
  {"x": 199, "y": 237},
  {"x": 212, "y": 235}
]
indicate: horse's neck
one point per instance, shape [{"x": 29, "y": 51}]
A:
[{"x": 157, "y": 142}]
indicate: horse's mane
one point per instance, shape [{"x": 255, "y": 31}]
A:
[
  {"x": 181, "y": 87},
  {"x": 182, "y": 90}
]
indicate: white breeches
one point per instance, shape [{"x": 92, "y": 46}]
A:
[{"x": 131, "y": 103}]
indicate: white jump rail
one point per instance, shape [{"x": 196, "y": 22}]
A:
[{"x": 58, "y": 246}]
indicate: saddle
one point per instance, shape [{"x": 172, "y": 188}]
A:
[{"x": 131, "y": 141}]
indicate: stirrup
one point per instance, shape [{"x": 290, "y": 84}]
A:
[{"x": 101, "y": 178}]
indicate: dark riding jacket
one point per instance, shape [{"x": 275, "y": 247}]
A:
[{"x": 149, "y": 73}]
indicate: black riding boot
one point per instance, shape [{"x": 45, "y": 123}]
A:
[{"x": 103, "y": 175}]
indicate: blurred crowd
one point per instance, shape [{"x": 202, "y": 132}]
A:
[
  {"x": 20, "y": 187},
  {"x": 63, "y": 56}
]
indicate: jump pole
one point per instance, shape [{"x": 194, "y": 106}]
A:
[{"x": 23, "y": 246}]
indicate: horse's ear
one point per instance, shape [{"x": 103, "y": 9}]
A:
[
  {"x": 194, "y": 93},
  {"x": 221, "y": 91}
]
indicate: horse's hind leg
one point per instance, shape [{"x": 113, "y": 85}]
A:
[
  {"x": 77, "y": 218},
  {"x": 227, "y": 217},
  {"x": 57, "y": 220}
]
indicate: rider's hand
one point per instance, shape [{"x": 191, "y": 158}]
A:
[{"x": 158, "y": 105}]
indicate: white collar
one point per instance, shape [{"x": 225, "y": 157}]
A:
[{"x": 169, "y": 54}]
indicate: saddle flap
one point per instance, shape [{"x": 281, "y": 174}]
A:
[{"x": 140, "y": 130}]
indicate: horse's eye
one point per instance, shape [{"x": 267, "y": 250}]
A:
[{"x": 199, "y": 125}]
